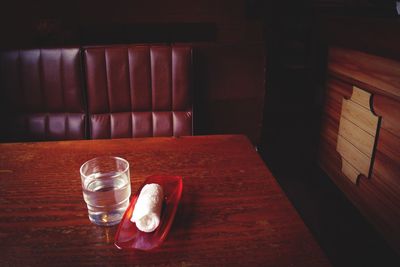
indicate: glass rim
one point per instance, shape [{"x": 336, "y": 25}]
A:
[{"x": 104, "y": 157}]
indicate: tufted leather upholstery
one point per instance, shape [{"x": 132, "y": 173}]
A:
[
  {"x": 41, "y": 94},
  {"x": 139, "y": 90}
]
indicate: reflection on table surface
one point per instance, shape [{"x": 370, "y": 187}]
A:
[{"x": 232, "y": 211}]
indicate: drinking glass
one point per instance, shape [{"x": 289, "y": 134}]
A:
[{"x": 106, "y": 189}]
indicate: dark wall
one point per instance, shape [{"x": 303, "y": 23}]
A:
[
  {"x": 297, "y": 40},
  {"x": 45, "y": 22},
  {"x": 373, "y": 34},
  {"x": 230, "y": 89},
  {"x": 227, "y": 34},
  {"x": 298, "y": 34}
]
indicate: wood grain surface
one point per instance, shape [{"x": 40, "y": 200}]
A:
[
  {"x": 355, "y": 135},
  {"x": 358, "y": 128},
  {"x": 378, "y": 198},
  {"x": 377, "y": 73},
  {"x": 232, "y": 212}
]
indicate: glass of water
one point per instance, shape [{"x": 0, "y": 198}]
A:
[{"x": 106, "y": 189}]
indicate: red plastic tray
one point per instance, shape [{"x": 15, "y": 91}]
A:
[{"x": 129, "y": 237}]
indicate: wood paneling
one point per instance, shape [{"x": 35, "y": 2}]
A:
[
  {"x": 353, "y": 156},
  {"x": 378, "y": 198},
  {"x": 389, "y": 109},
  {"x": 375, "y": 35},
  {"x": 351, "y": 172},
  {"x": 378, "y": 74},
  {"x": 357, "y": 133},
  {"x": 360, "y": 116},
  {"x": 361, "y": 97}
]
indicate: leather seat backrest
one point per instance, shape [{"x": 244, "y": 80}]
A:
[
  {"x": 139, "y": 90},
  {"x": 42, "y": 95}
]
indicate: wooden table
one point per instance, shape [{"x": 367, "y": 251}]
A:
[{"x": 232, "y": 211}]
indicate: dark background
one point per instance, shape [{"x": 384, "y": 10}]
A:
[{"x": 260, "y": 71}]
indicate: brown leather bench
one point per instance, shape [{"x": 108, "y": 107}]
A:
[
  {"x": 138, "y": 91},
  {"x": 96, "y": 92},
  {"x": 42, "y": 95}
]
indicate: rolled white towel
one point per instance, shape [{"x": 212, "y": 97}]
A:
[{"x": 148, "y": 206}]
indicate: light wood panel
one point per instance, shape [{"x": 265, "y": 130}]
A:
[
  {"x": 353, "y": 156},
  {"x": 360, "y": 116},
  {"x": 378, "y": 197},
  {"x": 351, "y": 172},
  {"x": 361, "y": 97},
  {"x": 357, "y": 133}
]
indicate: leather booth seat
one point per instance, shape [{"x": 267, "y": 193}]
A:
[
  {"x": 95, "y": 92},
  {"x": 139, "y": 91},
  {"x": 42, "y": 95}
]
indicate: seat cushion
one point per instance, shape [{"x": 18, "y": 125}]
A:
[
  {"x": 42, "y": 95},
  {"x": 139, "y": 90}
]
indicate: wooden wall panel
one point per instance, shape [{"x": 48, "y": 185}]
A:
[
  {"x": 356, "y": 135},
  {"x": 378, "y": 198},
  {"x": 381, "y": 75},
  {"x": 389, "y": 109}
]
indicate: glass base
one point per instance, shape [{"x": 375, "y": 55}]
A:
[{"x": 107, "y": 217}]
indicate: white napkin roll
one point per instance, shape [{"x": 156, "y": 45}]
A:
[{"x": 148, "y": 206}]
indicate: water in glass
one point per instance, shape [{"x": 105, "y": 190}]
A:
[{"x": 106, "y": 196}]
